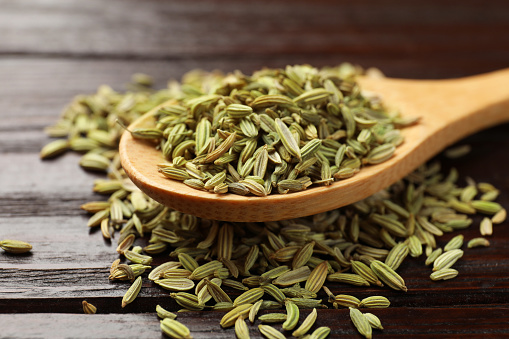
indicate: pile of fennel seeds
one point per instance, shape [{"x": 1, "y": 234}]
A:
[
  {"x": 274, "y": 265},
  {"x": 278, "y": 130}
]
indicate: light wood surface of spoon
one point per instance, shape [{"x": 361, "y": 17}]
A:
[{"x": 449, "y": 110}]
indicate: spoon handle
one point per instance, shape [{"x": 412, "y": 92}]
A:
[
  {"x": 449, "y": 109},
  {"x": 476, "y": 102}
]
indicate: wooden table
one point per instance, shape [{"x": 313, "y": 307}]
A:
[{"x": 51, "y": 50}]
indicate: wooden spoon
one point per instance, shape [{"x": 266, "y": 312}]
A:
[{"x": 449, "y": 110}]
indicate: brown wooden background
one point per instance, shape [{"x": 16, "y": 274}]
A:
[{"x": 51, "y": 50}]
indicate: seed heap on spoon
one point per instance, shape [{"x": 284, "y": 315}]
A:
[{"x": 274, "y": 131}]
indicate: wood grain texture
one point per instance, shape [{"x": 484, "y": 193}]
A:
[
  {"x": 52, "y": 50},
  {"x": 420, "y": 322},
  {"x": 419, "y": 39}
]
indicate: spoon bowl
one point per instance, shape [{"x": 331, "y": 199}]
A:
[{"x": 448, "y": 109}]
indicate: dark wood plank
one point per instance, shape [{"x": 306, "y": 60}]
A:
[
  {"x": 180, "y": 28},
  {"x": 80, "y": 326},
  {"x": 32, "y": 288},
  {"x": 421, "y": 39},
  {"x": 418, "y": 323}
]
